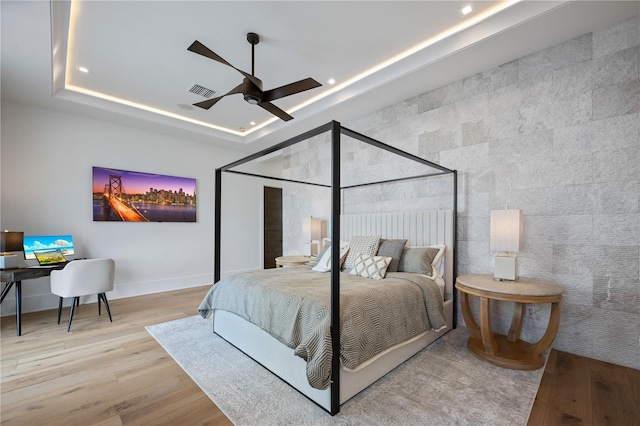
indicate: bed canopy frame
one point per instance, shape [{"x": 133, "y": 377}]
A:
[{"x": 336, "y": 130}]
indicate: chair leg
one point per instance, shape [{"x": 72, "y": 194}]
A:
[
  {"x": 76, "y": 300},
  {"x": 59, "y": 309},
  {"x": 103, "y": 297}
]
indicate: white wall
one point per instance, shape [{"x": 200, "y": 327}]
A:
[{"x": 47, "y": 160}]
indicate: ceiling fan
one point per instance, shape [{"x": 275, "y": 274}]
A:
[{"x": 251, "y": 86}]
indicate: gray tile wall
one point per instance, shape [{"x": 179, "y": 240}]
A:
[{"x": 556, "y": 134}]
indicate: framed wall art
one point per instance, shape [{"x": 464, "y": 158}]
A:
[{"x": 127, "y": 196}]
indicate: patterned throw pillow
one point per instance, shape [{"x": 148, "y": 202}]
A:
[
  {"x": 371, "y": 266},
  {"x": 360, "y": 244}
]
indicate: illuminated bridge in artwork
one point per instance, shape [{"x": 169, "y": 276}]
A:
[{"x": 115, "y": 196}]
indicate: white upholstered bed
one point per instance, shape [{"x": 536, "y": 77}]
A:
[
  {"x": 426, "y": 228},
  {"x": 419, "y": 229}
]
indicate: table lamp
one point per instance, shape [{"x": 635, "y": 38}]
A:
[
  {"x": 10, "y": 242},
  {"x": 315, "y": 233},
  {"x": 506, "y": 235}
]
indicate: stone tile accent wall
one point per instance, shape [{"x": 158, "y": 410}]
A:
[{"x": 556, "y": 134}]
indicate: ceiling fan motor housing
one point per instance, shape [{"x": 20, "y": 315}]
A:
[{"x": 252, "y": 92}]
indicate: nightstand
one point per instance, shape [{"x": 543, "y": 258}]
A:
[
  {"x": 508, "y": 351},
  {"x": 292, "y": 260}
]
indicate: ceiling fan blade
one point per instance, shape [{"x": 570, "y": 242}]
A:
[
  {"x": 208, "y": 103},
  {"x": 211, "y": 102},
  {"x": 290, "y": 89},
  {"x": 201, "y": 49},
  {"x": 275, "y": 111}
]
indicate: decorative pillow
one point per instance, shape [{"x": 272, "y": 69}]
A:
[
  {"x": 361, "y": 245},
  {"x": 324, "y": 262},
  {"x": 369, "y": 266},
  {"x": 420, "y": 260},
  {"x": 393, "y": 249}
]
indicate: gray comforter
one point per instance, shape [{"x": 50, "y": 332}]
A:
[{"x": 293, "y": 305}]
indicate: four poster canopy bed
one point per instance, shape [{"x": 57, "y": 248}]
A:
[{"x": 387, "y": 286}]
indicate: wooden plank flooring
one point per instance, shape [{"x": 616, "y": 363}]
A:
[
  {"x": 575, "y": 390},
  {"x": 101, "y": 373},
  {"x": 112, "y": 374}
]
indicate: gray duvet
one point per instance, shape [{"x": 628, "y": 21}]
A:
[{"x": 293, "y": 305}]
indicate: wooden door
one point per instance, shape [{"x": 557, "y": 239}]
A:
[{"x": 272, "y": 226}]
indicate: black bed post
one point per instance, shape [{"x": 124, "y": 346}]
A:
[
  {"x": 217, "y": 225},
  {"x": 335, "y": 267},
  {"x": 455, "y": 248}
]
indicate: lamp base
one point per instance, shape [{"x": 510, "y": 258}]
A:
[
  {"x": 8, "y": 261},
  {"x": 506, "y": 267}
]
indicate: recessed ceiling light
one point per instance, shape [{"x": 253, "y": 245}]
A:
[
  {"x": 253, "y": 123},
  {"x": 83, "y": 69},
  {"x": 331, "y": 81},
  {"x": 466, "y": 10}
]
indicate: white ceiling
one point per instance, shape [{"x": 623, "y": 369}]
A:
[{"x": 137, "y": 55}]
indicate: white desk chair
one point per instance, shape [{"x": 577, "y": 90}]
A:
[{"x": 83, "y": 278}]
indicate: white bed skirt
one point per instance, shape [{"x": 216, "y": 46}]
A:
[{"x": 281, "y": 361}]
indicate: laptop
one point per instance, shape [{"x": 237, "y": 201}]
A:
[{"x": 47, "y": 258}]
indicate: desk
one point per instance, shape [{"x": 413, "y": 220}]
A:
[{"x": 15, "y": 276}]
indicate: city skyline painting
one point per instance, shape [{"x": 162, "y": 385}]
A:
[{"x": 131, "y": 196}]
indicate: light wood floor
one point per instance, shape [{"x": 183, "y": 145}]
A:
[
  {"x": 101, "y": 373},
  {"x": 107, "y": 374}
]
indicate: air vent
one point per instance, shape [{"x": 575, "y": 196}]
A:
[{"x": 202, "y": 91}]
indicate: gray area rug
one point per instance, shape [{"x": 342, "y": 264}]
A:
[{"x": 441, "y": 385}]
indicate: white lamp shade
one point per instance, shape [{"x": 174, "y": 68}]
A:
[
  {"x": 506, "y": 230},
  {"x": 315, "y": 228}
]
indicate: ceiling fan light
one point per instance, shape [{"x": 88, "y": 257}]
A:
[{"x": 252, "y": 99}]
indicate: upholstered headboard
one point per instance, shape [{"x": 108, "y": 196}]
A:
[{"x": 422, "y": 228}]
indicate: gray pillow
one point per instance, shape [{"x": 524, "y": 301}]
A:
[
  {"x": 392, "y": 249},
  {"x": 418, "y": 260}
]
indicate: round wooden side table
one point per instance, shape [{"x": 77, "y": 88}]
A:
[
  {"x": 508, "y": 351},
  {"x": 291, "y": 260}
]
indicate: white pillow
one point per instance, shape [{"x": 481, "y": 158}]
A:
[
  {"x": 438, "y": 261},
  {"x": 324, "y": 263},
  {"x": 369, "y": 266}
]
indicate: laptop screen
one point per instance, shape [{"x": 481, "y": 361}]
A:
[
  {"x": 49, "y": 257},
  {"x": 47, "y": 242}
]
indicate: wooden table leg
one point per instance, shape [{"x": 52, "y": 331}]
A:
[
  {"x": 488, "y": 339},
  {"x": 552, "y": 329},
  {"x": 516, "y": 322},
  {"x": 471, "y": 323}
]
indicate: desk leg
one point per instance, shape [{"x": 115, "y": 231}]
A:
[
  {"x": 19, "y": 308},
  {"x": 5, "y": 291}
]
